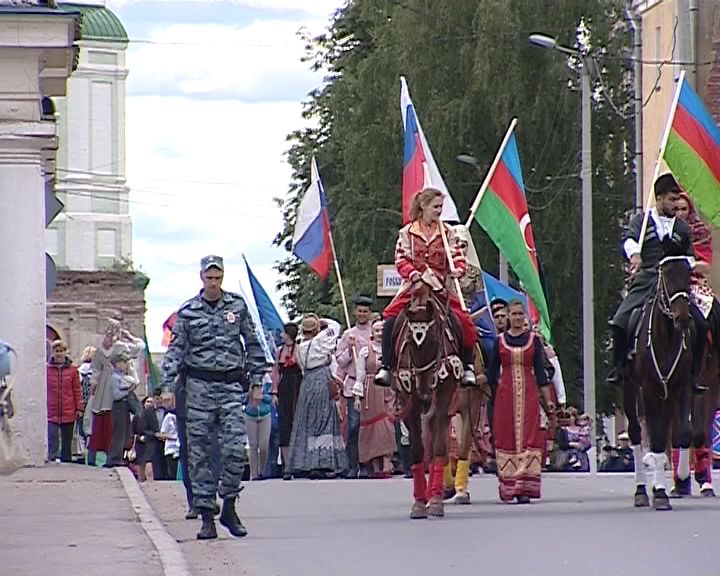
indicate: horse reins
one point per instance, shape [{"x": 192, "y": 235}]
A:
[{"x": 664, "y": 303}]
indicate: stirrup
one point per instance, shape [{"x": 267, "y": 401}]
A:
[
  {"x": 383, "y": 377},
  {"x": 468, "y": 377}
]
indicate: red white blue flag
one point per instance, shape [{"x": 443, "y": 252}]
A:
[
  {"x": 311, "y": 240},
  {"x": 419, "y": 168}
]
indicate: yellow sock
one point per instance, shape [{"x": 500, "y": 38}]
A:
[
  {"x": 447, "y": 476},
  {"x": 461, "y": 475}
]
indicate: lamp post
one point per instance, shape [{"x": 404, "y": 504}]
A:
[
  {"x": 469, "y": 160},
  {"x": 588, "y": 299}
]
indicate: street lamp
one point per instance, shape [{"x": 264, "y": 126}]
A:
[
  {"x": 588, "y": 300},
  {"x": 469, "y": 160}
]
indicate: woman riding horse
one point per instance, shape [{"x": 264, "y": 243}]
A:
[{"x": 420, "y": 250}]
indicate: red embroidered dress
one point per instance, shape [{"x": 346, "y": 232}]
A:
[
  {"x": 519, "y": 440},
  {"x": 415, "y": 252}
]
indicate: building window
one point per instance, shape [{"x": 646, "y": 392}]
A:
[{"x": 106, "y": 243}]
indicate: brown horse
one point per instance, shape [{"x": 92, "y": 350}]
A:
[
  {"x": 428, "y": 373},
  {"x": 660, "y": 372},
  {"x": 471, "y": 402},
  {"x": 702, "y": 415}
]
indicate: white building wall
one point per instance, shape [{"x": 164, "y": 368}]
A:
[{"x": 94, "y": 230}]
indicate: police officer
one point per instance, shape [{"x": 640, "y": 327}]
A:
[
  {"x": 207, "y": 346},
  {"x": 662, "y": 226}
]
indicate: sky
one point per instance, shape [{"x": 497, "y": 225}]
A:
[{"x": 214, "y": 87}]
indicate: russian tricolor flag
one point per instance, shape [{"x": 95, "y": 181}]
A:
[
  {"x": 311, "y": 240},
  {"x": 418, "y": 162}
]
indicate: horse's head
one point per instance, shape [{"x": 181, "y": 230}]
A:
[{"x": 674, "y": 272}]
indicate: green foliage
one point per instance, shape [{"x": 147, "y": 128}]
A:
[{"x": 470, "y": 69}]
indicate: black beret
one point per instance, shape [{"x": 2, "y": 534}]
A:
[
  {"x": 495, "y": 302},
  {"x": 363, "y": 301},
  {"x": 666, "y": 183}
]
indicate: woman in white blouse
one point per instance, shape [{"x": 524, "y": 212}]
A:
[{"x": 316, "y": 445}]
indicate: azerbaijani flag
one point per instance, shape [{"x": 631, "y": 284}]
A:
[
  {"x": 419, "y": 167},
  {"x": 503, "y": 214},
  {"x": 311, "y": 239},
  {"x": 693, "y": 152}
]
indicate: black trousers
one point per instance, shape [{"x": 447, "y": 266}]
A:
[
  {"x": 63, "y": 433},
  {"x": 120, "y": 430}
]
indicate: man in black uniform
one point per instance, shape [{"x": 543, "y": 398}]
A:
[{"x": 662, "y": 225}]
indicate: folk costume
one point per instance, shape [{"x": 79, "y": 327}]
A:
[
  {"x": 377, "y": 429},
  {"x": 516, "y": 373},
  {"x": 420, "y": 251},
  {"x": 316, "y": 444},
  {"x": 660, "y": 228}
]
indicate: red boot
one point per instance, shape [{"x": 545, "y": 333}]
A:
[
  {"x": 436, "y": 477},
  {"x": 419, "y": 483}
]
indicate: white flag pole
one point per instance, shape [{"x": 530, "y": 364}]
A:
[
  {"x": 650, "y": 198},
  {"x": 493, "y": 166}
]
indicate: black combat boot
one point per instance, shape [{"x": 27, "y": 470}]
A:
[
  {"x": 468, "y": 360},
  {"x": 192, "y": 514},
  {"x": 207, "y": 532},
  {"x": 384, "y": 376},
  {"x": 229, "y": 519},
  {"x": 619, "y": 352}
]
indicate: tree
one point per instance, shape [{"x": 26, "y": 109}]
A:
[{"x": 470, "y": 70}]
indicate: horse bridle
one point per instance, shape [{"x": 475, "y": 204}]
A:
[{"x": 665, "y": 301}]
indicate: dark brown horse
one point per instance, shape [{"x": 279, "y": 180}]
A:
[
  {"x": 428, "y": 373},
  {"x": 702, "y": 415},
  {"x": 660, "y": 372}
]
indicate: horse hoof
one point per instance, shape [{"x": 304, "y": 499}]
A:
[
  {"x": 419, "y": 511},
  {"x": 641, "y": 498},
  {"x": 681, "y": 488},
  {"x": 661, "y": 500},
  {"x": 436, "y": 508},
  {"x": 462, "y": 498},
  {"x": 449, "y": 493}
]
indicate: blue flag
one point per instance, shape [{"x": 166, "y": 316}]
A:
[
  {"x": 269, "y": 316},
  {"x": 496, "y": 289}
]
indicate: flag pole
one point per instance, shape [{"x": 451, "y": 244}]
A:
[
  {"x": 488, "y": 177},
  {"x": 663, "y": 144},
  {"x": 339, "y": 279}
]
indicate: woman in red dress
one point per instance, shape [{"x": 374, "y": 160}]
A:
[
  {"x": 420, "y": 255},
  {"x": 517, "y": 373}
]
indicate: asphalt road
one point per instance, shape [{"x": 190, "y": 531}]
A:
[{"x": 581, "y": 526}]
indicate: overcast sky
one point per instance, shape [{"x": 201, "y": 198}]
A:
[{"x": 211, "y": 97}]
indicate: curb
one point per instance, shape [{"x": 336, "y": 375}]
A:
[{"x": 172, "y": 558}]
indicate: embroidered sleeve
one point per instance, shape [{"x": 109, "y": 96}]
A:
[{"x": 403, "y": 255}]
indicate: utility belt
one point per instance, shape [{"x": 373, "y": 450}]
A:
[{"x": 237, "y": 375}]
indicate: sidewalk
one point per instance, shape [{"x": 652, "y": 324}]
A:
[{"x": 71, "y": 519}]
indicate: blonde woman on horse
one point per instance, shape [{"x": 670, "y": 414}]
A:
[{"x": 421, "y": 256}]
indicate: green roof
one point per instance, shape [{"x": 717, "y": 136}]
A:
[{"x": 97, "y": 23}]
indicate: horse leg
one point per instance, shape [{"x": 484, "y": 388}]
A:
[
  {"x": 680, "y": 453},
  {"x": 462, "y": 496},
  {"x": 630, "y": 397},
  {"x": 439, "y": 425},
  {"x": 658, "y": 422},
  {"x": 705, "y": 406},
  {"x": 417, "y": 452}
]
